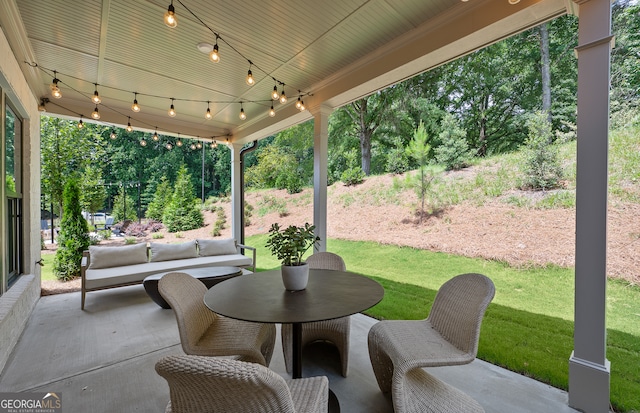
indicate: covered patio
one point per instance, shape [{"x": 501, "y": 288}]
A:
[
  {"x": 326, "y": 54},
  {"x": 109, "y": 363}
]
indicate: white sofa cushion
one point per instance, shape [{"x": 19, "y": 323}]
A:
[
  {"x": 106, "y": 277},
  {"x": 211, "y": 247},
  {"x": 107, "y": 257},
  {"x": 166, "y": 252}
]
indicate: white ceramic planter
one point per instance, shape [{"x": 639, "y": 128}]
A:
[{"x": 295, "y": 277}]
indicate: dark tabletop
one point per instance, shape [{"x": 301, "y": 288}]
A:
[{"x": 261, "y": 297}]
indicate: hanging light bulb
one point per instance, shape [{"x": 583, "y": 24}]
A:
[
  {"x": 215, "y": 144},
  {"x": 214, "y": 55},
  {"x": 193, "y": 146},
  {"x": 95, "y": 114},
  {"x": 113, "y": 134},
  {"x": 249, "y": 79},
  {"x": 143, "y": 142},
  {"x": 170, "y": 16},
  {"x": 55, "y": 90},
  {"x": 275, "y": 95},
  {"x": 172, "y": 110},
  {"x": 212, "y": 145},
  {"x": 135, "y": 107},
  {"x": 207, "y": 114},
  {"x": 199, "y": 145},
  {"x": 243, "y": 116},
  {"x": 179, "y": 143},
  {"x": 155, "y": 136},
  {"x": 283, "y": 97},
  {"x": 302, "y": 107},
  {"x": 81, "y": 123},
  {"x": 96, "y": 97},
  {"x": 298, "y": 103},
  {"x": 272, "y": 111},
  {"x": 129, "y": 128},
  {"x": 169, "y": 146}
]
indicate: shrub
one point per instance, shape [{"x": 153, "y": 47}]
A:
[
  {"x": 541, "y": 164},
  {"x": 161, "y": 199},
  {"x": 419, "y": 150},
  {"x": 183, "y": 212},
  {"x": 453, "y": 152},
  {"x": 130, "y": 240},
  {"x": 354, "y": 174},
  {"x": 397, "y": 159},
  {"x": 248, "y": 213},
  {"x": 153, "y": 226},
  {"x": 73, "y": 237},
  {"x": 157, "y": 235},
  {"x": 135, "y": 230},
  {"x": 179, "y": 235}
]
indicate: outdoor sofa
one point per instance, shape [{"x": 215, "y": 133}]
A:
[{"x": 111, "y": 267}]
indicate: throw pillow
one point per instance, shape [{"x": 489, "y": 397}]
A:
[
  {"x": 167, "y": 252},
  {"x": 209, "y": 247},
  {"x": 107, "y": 257}
]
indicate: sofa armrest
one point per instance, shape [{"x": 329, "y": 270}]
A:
[{"x": 246, "y": 247}]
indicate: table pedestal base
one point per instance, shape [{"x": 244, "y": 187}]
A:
[{"x": 334, "y": 404}]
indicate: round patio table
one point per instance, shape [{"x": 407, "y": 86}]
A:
[{"x": 261, "y": 297}]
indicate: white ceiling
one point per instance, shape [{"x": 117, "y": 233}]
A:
[{"x": 332, "y": 51}]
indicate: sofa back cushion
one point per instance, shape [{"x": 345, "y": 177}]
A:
[
  {"x": 167, "y": 252},
  {"x": 107, "y": 257},
  {"x": 210, "y": 247}
]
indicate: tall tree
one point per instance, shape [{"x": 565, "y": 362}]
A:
[
  {"x": 545, "y": 64},
  {"x": 93, "y": 191},
  {"x": 73, "y": 238}
]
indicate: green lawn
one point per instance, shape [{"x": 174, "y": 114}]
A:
[{"x": 528, "y": 328}]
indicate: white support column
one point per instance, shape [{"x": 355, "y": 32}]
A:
[
  {"x": 236, "y": 193},
  {"x": 589, "y": 369},
  {"x": 320, "y": 157}
]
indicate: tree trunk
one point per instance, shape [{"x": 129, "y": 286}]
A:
[
  {"x": 365, "y": 150},
  {"x": 482, "y": 138},
  {"x": 546, "y": 69}
]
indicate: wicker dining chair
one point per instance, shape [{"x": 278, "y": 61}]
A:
[
  {"x": 205, "y": 333},
  {"x": 336, "y": 331},
  {"x": 449, "y": 336},
  {"x": 200, "y": 384}
]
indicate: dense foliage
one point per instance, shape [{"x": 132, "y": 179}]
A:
[
  {"x": 73, "y": 238},
  {"x": 183, "y": 211}
]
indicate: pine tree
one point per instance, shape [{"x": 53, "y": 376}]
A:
[
  {"x": 73, "y": 238},
  {"x": 183, "y": 212}
]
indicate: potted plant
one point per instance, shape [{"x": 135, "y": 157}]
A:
[{"x": 289, "y": 245}]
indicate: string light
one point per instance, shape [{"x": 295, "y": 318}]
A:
[
  {"x": 298, "y": 103},
  {"x": 302, "y": 108},
  {"x": 179, "y": 141},
  {"x": 193, "y": 146},
  {"x": 207, "y": 114},
  {"x": 199, "y": 145},
  {"x": 135, "y": 107},
  {"x": 283, "y": 96},
  {"x": 213, "y": 145},
  {"x": 143, "y": 142},
  {"x": 243, "y": 116},
  {"x": 272, "y": 111},
  {"x": 170, "y": 16},
  {"x": 249, "y": 79},
  {"x": 113, "y": 134},
  {"x": 96, "y": 97},
  {"x": 172, "y": 110},
  {"x": 95, "y": 114},
  {"x": 275, "y": 95},
  {"x": 215, "y": 55},
  {"x": 129, "y": 128},
  {"x": 55, "y": 90},
  {"x": 81, "y": 123},
  {"x": 155, "y": 136},
  {"x": 169, "y": 146}
]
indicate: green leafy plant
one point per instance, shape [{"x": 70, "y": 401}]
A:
[
  {"x": 73, "y": 238},
  {"x": 290, "y": 244},
  {"x": 541, "y": 164},
  {"x": 453, "y": 152},
  {"x": 183, "y": 212}
]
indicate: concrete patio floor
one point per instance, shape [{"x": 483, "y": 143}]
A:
[{"x": 102, "y": 360}]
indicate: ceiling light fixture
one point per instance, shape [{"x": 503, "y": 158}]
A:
[
  {"x": 129, "y": 128},
  {"x": 213, "y": 145},
  {"x": 243, "y": 116},
  {"x": 95, "y": 114},
  {"x": 199, "y": 145},
  {"x": 283, "y": 96},
  {"x": 169, "y": 146},
  {"x": 249, "y": 79},
  {"x": 96, "y": 97},
  {"x": 113, "y": 134},
  {"x": 172, "y": 110},
  {"x": 302, "y": 107},
  {"x": 193, "y": 146},
  {"x": 207, "y": 114},
  {"x": 55, "y": 90},
  {"x": 215, "y": 55},
  {"x": 135, "y": 107},
  {"x": 42, "y": 106},
  {"x": 179, "y": 141},
  {"x": 143, "y": 142},
  {"x": 272, "y": 111},
  {"x": 275, "y": 95},
  {"x": 298, "y": 103},
  {"x": 81, "y": 123},
  {"x": 155, "y": 136},
  {"x": 170, "y": 16}
]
